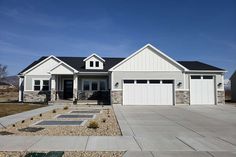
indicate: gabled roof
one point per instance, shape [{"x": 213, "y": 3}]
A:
[
  {"x": 196, "y": 65},
  {"x": 78, "y": 63},
  {"x": 94, "y": 55},
  {"x": 156, "y": 51}
]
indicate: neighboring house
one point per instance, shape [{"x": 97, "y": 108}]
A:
[
  {"x": 4, "y": 85},
  {"x": 147, "y": 77},
  {"x": 233, "y": 86}
]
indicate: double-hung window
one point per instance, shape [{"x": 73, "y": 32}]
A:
[
  {"x": 41, "y": 85},
  {"x": 37, "y": 85},
  {"x": 45, "y": 85}
]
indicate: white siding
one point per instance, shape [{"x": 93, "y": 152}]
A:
[
  {"x": 147, "y": 60},
  {"x": 44, "y": 68},
  {"x": 62, "y": 69},
  {"x": 93, "y": 59}
]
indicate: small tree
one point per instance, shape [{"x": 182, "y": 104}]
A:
[{"x": 3, "y": 71}]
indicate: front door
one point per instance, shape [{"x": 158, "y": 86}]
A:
[{"x": 68, "y": 89}]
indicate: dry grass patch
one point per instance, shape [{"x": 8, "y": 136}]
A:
[{"x": 13, "y": 108}]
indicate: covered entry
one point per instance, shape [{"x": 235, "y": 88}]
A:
[
  {"x": 148, "y": 92},
  {"x": 202, "y": 90}
]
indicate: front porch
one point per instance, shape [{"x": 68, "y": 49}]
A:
[{"x": 80, "y": 88}]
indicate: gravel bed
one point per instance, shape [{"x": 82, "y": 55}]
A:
[
  {"x": 69, "y": 154},
  {"x": 108, "y": 128}
]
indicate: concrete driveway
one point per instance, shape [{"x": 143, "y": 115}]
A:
[{"x": 203, "y": 128}]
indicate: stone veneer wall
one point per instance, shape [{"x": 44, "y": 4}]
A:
[
  {"x": 35, "y": 96},
  {"x": 220, "y": 97},
  {"x": 116, "y": 97},
  {"x": 182, "y": 97}
]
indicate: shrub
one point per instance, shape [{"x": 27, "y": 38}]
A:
[
  {"x": 104, "y": 120},
  {"x": 93, "y": 125},
  {"x": 54, "y": 111},
  {"x": 66, "y": 108}
]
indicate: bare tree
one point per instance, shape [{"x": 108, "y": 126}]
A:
[{"x": 3, "y": 71}]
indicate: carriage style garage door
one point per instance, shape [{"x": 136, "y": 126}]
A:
[
  {"x": 148, "y": 92},
  {"x": 202, "y": 90}
]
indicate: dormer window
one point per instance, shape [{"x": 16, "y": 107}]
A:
[
  {"x": 94, "y": 62},
  {"x": 91, "y": 63},
  {"x": 97, "y": 63}
]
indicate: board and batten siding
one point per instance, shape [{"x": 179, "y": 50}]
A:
[
  {"x": 147, "y": 60},
  {"x": 44, "y": 68}
]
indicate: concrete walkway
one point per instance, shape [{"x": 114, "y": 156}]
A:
[
  {"x": 201, "y": 131},
  {"x": 8, "y": 120}
]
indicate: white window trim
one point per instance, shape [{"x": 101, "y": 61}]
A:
[
  {"x": 41, "y": 83},
  {"x": 90, "y": 84}
]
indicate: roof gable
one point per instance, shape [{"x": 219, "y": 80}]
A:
[
  {"x": 94, "y": 55},
  {"x": 148, "y": 58},
  {"x": 44, "y": 65},
  {"x": 62, "y": 68}
]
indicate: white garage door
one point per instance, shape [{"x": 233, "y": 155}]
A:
[
  {"x": 202, "y": 90},
  {"x": 148, "y": 92}
]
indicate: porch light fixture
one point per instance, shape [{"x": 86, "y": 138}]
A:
[
  {"x": 116, "y": 84},
  {"x": 219, "y": 84},
  {"x": 179, "y": 84}
]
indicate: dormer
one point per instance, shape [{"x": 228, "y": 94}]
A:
[{"x": 94, "y": 62}]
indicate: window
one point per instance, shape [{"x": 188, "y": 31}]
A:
[
  {"x": 97, "y": 63},
  {"x": 128, "y": 81},
  {"x": 141, "y": 81},
  {"x": 195, "y": 77},
  {"x": 91, "y": 63},
  {"x": 207, "y": 77},
  {"x": 94, "y": 85},
  {"x": 86, "y": 85},
  {"x": 154, "y": 81},
  {"x": 167, "y": 81},
  {"x": 102, "y": 85},
  {"x": 45, "y": 85},
  {"x": 36, "y": 85}
]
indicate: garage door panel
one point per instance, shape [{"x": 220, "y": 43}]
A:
[
  {"x": 148, "y": 94},
  {"x": 202, "y": 90}
]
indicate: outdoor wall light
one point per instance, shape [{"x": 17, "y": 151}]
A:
[
  {"x": 219, "y": 84},
  {"x": 116, "y": 84},
  {"x": 179, "y": 84}
]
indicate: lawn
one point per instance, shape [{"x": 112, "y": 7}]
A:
[{"x": 13, "y": 108}]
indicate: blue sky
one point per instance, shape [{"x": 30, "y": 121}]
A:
[{"x": 203, "y": 30}]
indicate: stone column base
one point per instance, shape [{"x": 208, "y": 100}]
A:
[
  {"x": 220, "y": 97},
  {"x": 117, "y": 97},
  {"x": 182, "y": 97}
]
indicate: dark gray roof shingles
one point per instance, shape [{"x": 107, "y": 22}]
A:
[{"x": 78, "y": 64}]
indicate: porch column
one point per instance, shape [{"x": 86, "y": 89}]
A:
[
  {"x": 53, "y": 88},
  {"x": 75, "y": 86},
  {"x": 20, "y": 88}
]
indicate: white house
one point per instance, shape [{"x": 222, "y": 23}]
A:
[{"x": 146, "y": 77}]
